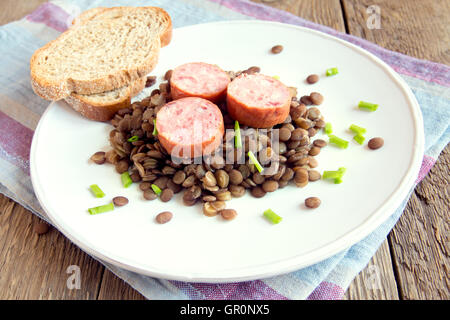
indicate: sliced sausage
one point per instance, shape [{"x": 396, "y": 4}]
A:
[
  {"x": 199, "y": 79},
  {"x": 258, "y": 100},
  {"x": 190, "y": 127}
]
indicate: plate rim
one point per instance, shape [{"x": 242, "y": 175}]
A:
[{"x": 287, "y": 265}]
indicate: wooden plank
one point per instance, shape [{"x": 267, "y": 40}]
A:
[
  {"x": 326, "y": 12},
  {"x": 14, "y": 10},
  {"x": 330, "y": 13},
  {"x": 419, "y": 28},
  {"x": 35, "y": 267},
  {"x": 419, "y": 241},
  {"x": 114, "y": 288},
  {"x": 377, "y": 280}
]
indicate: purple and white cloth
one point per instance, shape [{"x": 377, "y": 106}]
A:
[{"x": 20, "y": 110}]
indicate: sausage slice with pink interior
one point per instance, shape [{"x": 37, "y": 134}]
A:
[
  {"x": 190, "y": 127},
  {"x": 258, "y": 100},
  {"x": 199, "y": 79}
]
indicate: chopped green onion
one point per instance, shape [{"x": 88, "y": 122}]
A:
[
  {"x": 276, "y": 77},
  {"x": 101, "y": 209},
  {"x": 331, "y": 174},
  {"x": 338, "y": 181},
  {"x": 155, "y": 132},
  {"x": 359, "y": 138},
  {"x": 272, "y": 216},
  {"x": 98, "y": 193},
  {"x": 156, "y": 189},
  {"x": 237, "y": 135},
  {"x": 368, "y": 106},
  {"x": 331, "y": 72},
  {"x": 328, "y": 129},
  {"x": 126, "y": 179},
  {"x": 357, "y": 129},
  {"x": 335, "y": 175},
  {"x": 341, "y": 143},
  {"x": 133, "y": 138},
  {"x": 255, "y": 161}
]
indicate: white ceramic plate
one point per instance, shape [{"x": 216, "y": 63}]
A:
[{"x": 193, "y": 247}]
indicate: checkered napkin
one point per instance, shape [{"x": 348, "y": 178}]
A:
[{"x": 20, "y": 110}]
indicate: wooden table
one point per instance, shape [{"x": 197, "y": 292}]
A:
[{"x": 412, "y": 263}]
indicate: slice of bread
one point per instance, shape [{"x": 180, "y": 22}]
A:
[
  {"x": 103, "y": 106},
  {"x": 161, "y": 19},
  {"x": 98, "y": 55}
]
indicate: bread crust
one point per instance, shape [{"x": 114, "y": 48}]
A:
[{"x": 102, "y": 112}]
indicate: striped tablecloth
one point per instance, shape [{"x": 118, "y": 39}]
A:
[{"x": 20, "y": 110}]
